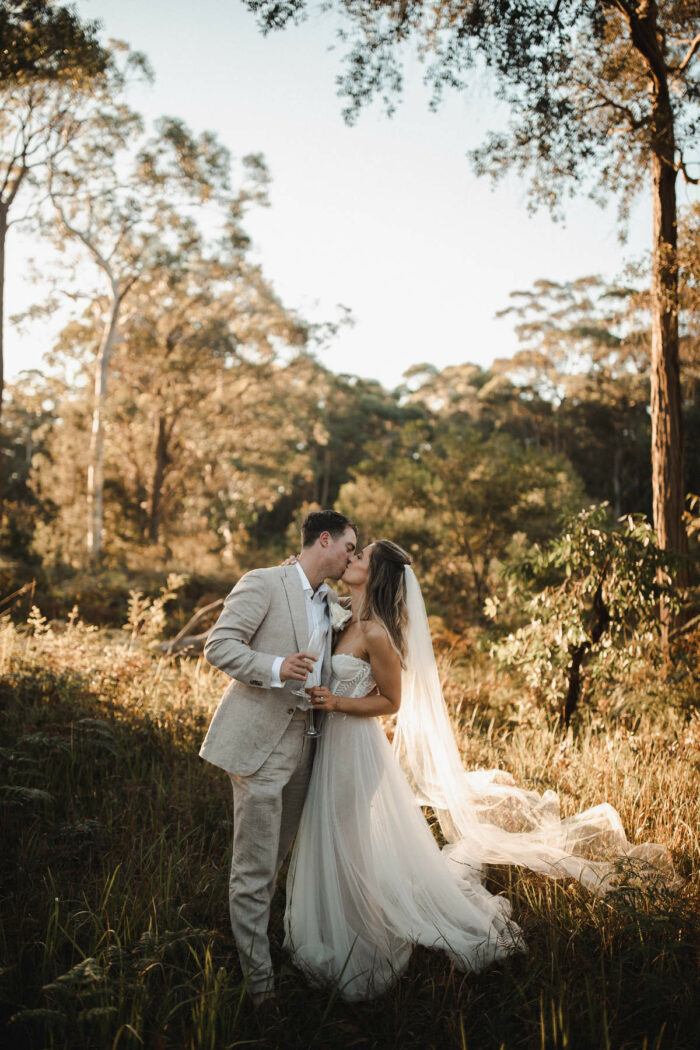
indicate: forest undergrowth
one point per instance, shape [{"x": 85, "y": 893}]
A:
[{"x": 114, "y": 929}]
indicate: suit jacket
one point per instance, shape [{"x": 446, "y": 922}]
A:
[{"x": 264, "y": 616}]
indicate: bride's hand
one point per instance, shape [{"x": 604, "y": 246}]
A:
[
  {"x": 291, "y": 560},
  {"x": 323, "y": 699}
]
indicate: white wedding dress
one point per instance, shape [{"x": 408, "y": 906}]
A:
[{"x": 367, "y": 880}]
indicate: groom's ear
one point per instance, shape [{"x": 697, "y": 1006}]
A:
[{"x": 324, "y": 539}]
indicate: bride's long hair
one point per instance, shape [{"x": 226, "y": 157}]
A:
[{"x": 385, "y": 592}]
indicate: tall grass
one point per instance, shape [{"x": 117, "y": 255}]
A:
[{"x": 114, "y": 929}]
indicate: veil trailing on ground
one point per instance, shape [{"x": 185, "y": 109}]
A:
[{"x": 484, "y": 816}]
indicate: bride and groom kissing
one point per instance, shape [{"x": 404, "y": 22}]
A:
[{"x": 367, "y": 880}]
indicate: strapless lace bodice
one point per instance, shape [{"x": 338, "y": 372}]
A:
[{"x": 351, "y": 676}]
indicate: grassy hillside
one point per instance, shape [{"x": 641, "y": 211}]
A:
[{"x": 115, "y": 854}]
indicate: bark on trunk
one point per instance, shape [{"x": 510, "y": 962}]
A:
[
  {"x": 8, "y": 200},
  {"x": 159, "y": 466},
  {"x": 666, "y": 425},
  {"x": 95, "y": 477}
]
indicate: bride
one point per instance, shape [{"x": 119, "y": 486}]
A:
[{"x": 367, "y": 880}]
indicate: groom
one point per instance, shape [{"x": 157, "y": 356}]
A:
[{"x": 257, "y": 732}]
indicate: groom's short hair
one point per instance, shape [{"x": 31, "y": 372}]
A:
[{"x": 319, "y": 521}]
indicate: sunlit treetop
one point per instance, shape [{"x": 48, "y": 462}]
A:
[
  {"x": 580, "y": 77},
  {"x": 46, "y": 41}
]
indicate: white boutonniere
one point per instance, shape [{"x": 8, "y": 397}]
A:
[{"x": 339, "y": 616}]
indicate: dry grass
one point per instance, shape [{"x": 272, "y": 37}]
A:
[{"x": 114, "y": 926}]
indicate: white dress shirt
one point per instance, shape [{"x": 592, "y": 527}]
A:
[{"x": 316, "y": 616}]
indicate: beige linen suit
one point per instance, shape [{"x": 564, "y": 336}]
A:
[{"x": 257, "y": 736}]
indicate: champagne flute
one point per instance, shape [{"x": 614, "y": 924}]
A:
[{"x": 314, "y": 647}]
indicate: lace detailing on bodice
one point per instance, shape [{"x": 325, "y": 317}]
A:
[{"x": 352, "y": 676}]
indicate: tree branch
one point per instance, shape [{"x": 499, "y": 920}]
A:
[
  {"x": 694, "y": 45},
  {"x": 128, "y": 285},
  {"x": 128, "y": 226},
  {"x": 685, "y": 627},
  {"x": 84, "y": 239},
  {"x": 681, "y": 166},
  {"x": 590, "y": 86},
  {"x": 16, "y": 154},
  {"x": 169, "y": 647},
  {"x": 643, "y": 27},
  {"x": 14, "y": 187}
]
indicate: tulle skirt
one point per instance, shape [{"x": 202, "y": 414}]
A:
[{"x": 367, "y": 880}]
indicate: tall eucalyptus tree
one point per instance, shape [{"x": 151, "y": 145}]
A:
[
  {"x": 121, "y": 202},
  {"x": 201, "y": 339},
  {"x": 602, "y": 94},
  {"x": 52, "y": 67}
]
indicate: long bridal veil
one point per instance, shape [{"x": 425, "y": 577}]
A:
[{"x": 484, "y": 816}]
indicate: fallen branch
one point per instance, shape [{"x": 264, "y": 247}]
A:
[
  {"x": 183, "y": 639},
  {"x": 192, "y": 644},
  {"x": 685, "y": 627},
  {"x": 18, "y": 593}
]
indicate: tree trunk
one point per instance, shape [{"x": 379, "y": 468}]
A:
[
  {"x": 3, "y": 237},
  {"x": 160, "y": 463},
  {"x": 10, "y": 195},
  {"x": 666, "y": 426},
  {"x": 325, "y": 488},
  {"x": 617, "y": 479},
  {"x": 95, "y": 477},
  {"x": 600, "y": 621},
  {"x": 478, "y": 578}
]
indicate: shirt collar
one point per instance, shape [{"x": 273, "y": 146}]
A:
[{"x": 321, "y": 590}]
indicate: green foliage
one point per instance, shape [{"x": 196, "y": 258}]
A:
[
  {"x": 597, "y": 590},
  {"x": 43, "y": 40},
  {"x": 576, "y": 76},
  {"x": 455, "y": 497},
  {"x": 601, "y": 96}
]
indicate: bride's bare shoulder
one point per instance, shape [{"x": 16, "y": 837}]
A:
[
  {"x": 373, "y": 629},
  {"x": 377, "y": 639}
]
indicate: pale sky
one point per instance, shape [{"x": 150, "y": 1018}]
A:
[{"x": 385, "y": 217}]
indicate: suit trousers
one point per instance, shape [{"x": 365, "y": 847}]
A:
[{"x": 267, "y": 807}]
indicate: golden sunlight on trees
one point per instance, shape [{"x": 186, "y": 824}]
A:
[
  {"x": 602, "y": 96},
  {"x": 459, "y": 497},
  {"x": 184, "y": 411},
  {"x": 52, "y": 70},
  {"x": 220, "y": 423},
  {"x": 123, "y": 202}
]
